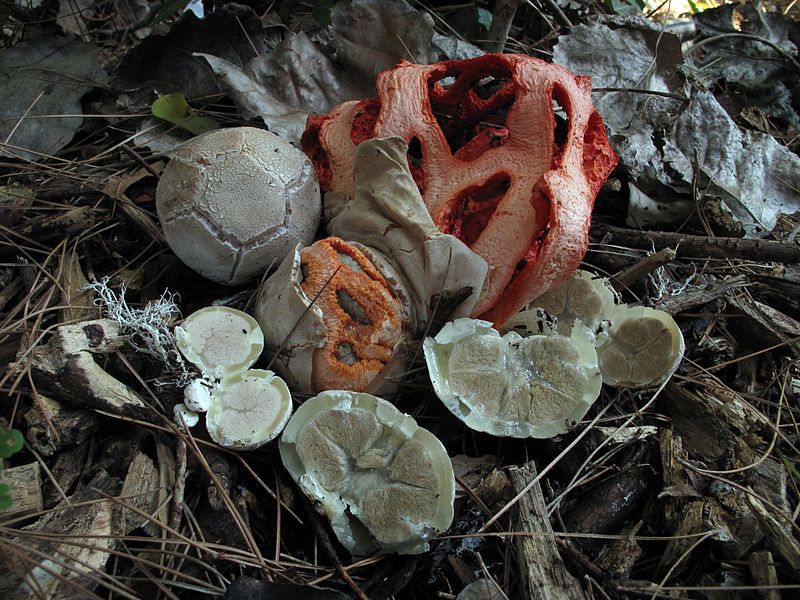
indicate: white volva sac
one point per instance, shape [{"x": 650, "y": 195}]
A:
[
  {"x": 234, "y": 201},
  {"x": 386, "y": 484},
  {"x": 537, "y": 386}
]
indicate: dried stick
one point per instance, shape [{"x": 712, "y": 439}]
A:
[{"x": 700, "y": 246}]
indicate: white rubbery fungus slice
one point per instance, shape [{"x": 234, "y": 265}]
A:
[
  {"x": 386, "y": 484},
  {"x": 642, "y": 347},
  {"x": 538, "y": 386},
  {"x": 190, "y": 417},
  {"x": 220, "y": 340},
  {"x": 584, "y": 296},
  {"x": 197, "y": 395},
  {"x": 248, "y": 409}
]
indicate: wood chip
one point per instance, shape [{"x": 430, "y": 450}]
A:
[{"x": 26, "y": 490}]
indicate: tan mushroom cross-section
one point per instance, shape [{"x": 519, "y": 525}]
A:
[{"x": 386, "y": 484}]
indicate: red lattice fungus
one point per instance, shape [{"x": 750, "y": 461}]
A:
[{"x": 507, "y": 151}]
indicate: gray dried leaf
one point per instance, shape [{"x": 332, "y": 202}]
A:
[
  {"x": 42, "y": 79},
  {"x": 285, "y": 86},
  {"x": 370, "y": 36},
  {"x": 756, "y": 178}
]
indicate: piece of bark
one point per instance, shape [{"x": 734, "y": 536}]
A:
[
  {"x": 698, "y": 246},
  {"x": 83, "y": 536},
  {"x": 714, "y": 424},
  {"x": 781, "y": 539},
  {"x": 762, "y": 569},
  {"x": 643, "y": 268},
  {"x": 618, "y": 558},
  {"x": 166, "y": 483},
  {"x": 623, "y": 494},
  {"x": 693, "y": 298},
  {"x": 693, "y": 521},
  {"x": 14, "y": 287},
  {"x": 542, "y": 570},
  {"x": 678, "y": 486},
  {"x": 26, "y": 490},
  {"x": 139, "y": 490},
  {"x": 66, "y": 369},
  {"x": 69, "y": 466},
  {"x": 53, "y": 425}
]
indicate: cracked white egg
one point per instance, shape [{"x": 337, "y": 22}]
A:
[
  {"x": 537, "y": 386},
  {"x": 385, "y": 483},
  {"x": 220, "y": 340},
  {"x": 234, "y": 201},
  {"x": 642, "y": 347}
]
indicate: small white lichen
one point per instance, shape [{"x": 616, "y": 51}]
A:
[{"x": 149, "y": 328}]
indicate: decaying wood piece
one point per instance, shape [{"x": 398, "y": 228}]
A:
[
  {"x": 53, "y": 425},
  {"x": 75, "y": 539},
  {"x": 693, "y": 298},
  {"x": 643, "y": 267},
  {"x": 776, "y": 531},
  {"x": 542, "y": 570},
  {"x": 26, "y": 490},
  {"x": 714, "y": 423},
  {"x": 762, "y": 569},
  {"x": 698, "y": 517},
  {"x": 677, "y": 482},
  {"x": 139, "y": 490},
  {"x": 618, "y": 558},
  {"x": 66, "y": 369},
  {"x": 699, "y": 246}
]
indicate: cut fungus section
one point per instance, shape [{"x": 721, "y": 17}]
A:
[
  {"x": 386, "y": 484},
  {"x": 536, "y": 386},
  {"x": 363, "y": 320},
  {"x": 337, "y": 321},
  {"x": 507, "y": 151}
]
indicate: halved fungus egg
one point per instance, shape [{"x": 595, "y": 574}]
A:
[
  {"x": 246, "y": 408},
  {"x": 386, "y": 484},
  {"x": 335, "y": 320},
  {"x": 536, "y": 386}
]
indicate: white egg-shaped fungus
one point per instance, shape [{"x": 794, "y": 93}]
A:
[
  {"x": 386, "y": 484},
  {"x": 537, "y": 386},
  {"x": 234, "y": 201},
  {"x": 220, "y": 340}
]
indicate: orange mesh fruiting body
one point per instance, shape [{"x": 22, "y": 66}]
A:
[
  {"x": 363, "y": 320},
  {"x": 507, "y": 151}
]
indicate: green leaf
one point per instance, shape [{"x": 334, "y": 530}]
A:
[
  {"x": 11, "y": 442},
  {"x": 169, "y": 8},
  {"x": 321, "y": 13},
  {"x": 484, "y": 18},
  {"x": 5, "y": 502},
  {"x": 5, "y": 489},
  {"x": 173, "y": 108}
]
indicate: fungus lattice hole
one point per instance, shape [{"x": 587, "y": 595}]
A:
[
  {"x": 352, "y": 308},
  {"x": 346, "y": 353},
  {"x": 415, "y": 157},
  {"x": 471, "y": 109},
  {"x": 471, "y": 211},
  {"x": 366, "y": 115},
  {"x": 562, "y": 124},
  {"x": 593, "y": 141}
]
